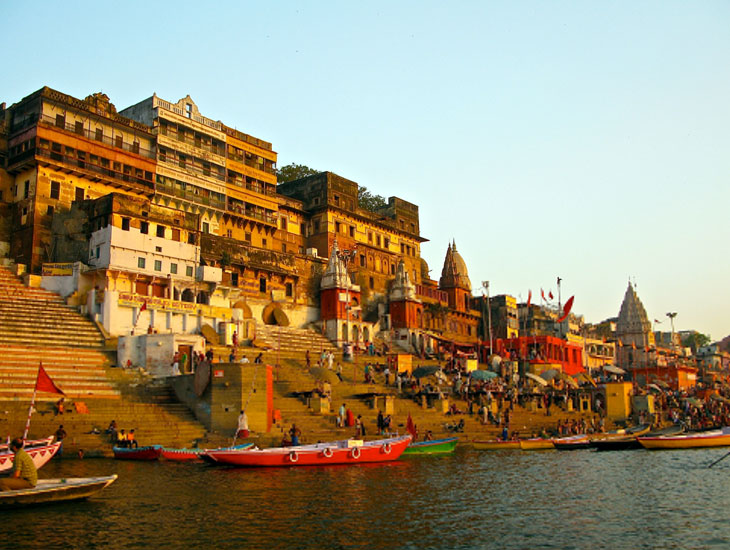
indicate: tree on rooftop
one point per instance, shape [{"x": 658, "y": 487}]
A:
[
  {"x": 368, "y": 201},
  {"x": 294, "y": 171},
  {"x": 696, "y": 340}
]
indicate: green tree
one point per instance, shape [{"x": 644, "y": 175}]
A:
[
  {"x": 696, "y": 340},
  {"x": 294, "y": 171},
  {"x": 368, "y": 201}
]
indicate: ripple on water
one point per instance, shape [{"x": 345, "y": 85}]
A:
[{"x": 504, "y": 499}]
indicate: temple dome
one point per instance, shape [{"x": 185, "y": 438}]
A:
[
  {"x": 454, "y": 273},
  {"x": 632, "y": 319}
]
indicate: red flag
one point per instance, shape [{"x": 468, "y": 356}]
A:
[
  {"x": 44, "y": 382},
  {"x": 542, "y": 293},
  {"x": 550, "y": 294},
  {"x": 144, "y": 306},
  {"x": 566, "y": 309},
  {"x": 529, "y": 298},
  {"x": 411, "y": 427}
]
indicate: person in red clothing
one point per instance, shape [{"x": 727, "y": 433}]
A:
[{"x": 350, "y": 418}]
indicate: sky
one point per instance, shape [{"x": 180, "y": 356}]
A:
[{"x": 582, "y": 140}]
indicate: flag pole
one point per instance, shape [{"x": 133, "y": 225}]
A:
[{"x": 32, "y": 403}]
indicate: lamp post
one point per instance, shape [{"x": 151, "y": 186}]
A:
[
  {"x": 671, "y": 316},
  {"x": 485, "y": 284}
]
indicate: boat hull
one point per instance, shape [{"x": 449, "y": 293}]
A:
[
  {"x": 193, "y": 455},
  {"x": 718, "y": 438},
  {"x": 321, "y": 454},
  {"x": 495, "y": 445},
  {"x": 536, "y": 444},
  {"x": 40, "y": 456},
  {"x": 49, "y": 491},
  {"x": 151, "y": 452},
  {"x": 437, "y": 446}
]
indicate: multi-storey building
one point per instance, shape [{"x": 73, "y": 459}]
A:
[
  {"x": 179, "y": 221},
  {"x": 60, "y": 150}
]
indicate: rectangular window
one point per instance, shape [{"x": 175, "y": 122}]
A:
[
  {"x": 370, "y": 237},
  {"x": 158, "y": 265},
  {"x": 362, "y": 260},
  {"x": 141, "y": 262},
  {"x": 55, "y": 189},
  {"x": 26, "y": 189},
  {"x": 206, "y": 227},
  {"x": 372, "y": 283},
  {"x": 191, "y": 238},
  {"x": 161, "y": 231},
  {"x": 352, "y": 231},
  {"x": 264, "y": 243},
  {"x": 189, "y": 271},
  {"x": 262, "y": 285},
  {"x": 99, "y": 135},
  {"x": 79, "y": 194},
  {"x": 289, "y": 290},
  {"x": 247, "y": 237},
  {"x": 283, "y": 247},
  {"x": 386, "y": 242},
  {"x": 176, "y": 234},
  {"x": 61, "y": 121},
  {"x": 135, "y": 147},
  {"x": 79, "y": 127},
  {"x": 337, "y": 227},
  {"x": 316, "y": 226},
  {"x": 173, "y": 269},
  {"x": 234, "y": 279},
  {"x": 229, "y": 233},
  {"x": 49, "y": 212},
  {"x": 144, "y": 227},
  {"x": 118, "y": 141},
  {"x": 125, "y": 224},
  {"x": 181, "y": 160},
  {"x": 98, "y": 251}
]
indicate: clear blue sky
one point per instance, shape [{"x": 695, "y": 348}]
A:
[{"x": 586, "y": 140}]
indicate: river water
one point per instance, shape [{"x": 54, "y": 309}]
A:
[{"x": 473, "y": 499}]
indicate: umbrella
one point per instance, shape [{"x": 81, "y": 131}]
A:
[
  {"x": 654, "y": 387},
  {"x": 420, "y": 372},
  {"x": 613, "y": 369},
  {"x": 483, "y": 374},
  {"x": 323, "y": 374},
  {"x": 568, "y": 379},
  {"x": 550, "y": 374},
  {"x": 587, "y": 378},
  {"x": 536, "y": 378}
]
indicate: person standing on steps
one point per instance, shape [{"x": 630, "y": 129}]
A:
[{"x": 242, "y": 430}]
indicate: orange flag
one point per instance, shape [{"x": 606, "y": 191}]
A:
[{"x": 44, "y": 382}]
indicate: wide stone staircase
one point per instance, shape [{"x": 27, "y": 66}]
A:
[
  {"x": 286, "y": 348},
  {"x": 37, "y": 327}
]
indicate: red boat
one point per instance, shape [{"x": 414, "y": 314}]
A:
[
  {"x": 40, "y": 455},
  {"x": 195, "y": 455},
  {"x": 348, "y": 451},
  {"x": 151, "y": 452}
]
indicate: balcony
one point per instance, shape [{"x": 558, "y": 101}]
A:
[
  {"x": 190, "y": 196},
  {"x": 106, "y": 140},
  {"x": 94, "y": 171}
]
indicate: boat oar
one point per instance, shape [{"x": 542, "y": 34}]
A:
[{"x": 719, "y": 459}]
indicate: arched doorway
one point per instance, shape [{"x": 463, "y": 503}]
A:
[
  {"x": 345, "y": 337},
  {"x": 365, "y": 334},
  {"x": 187, "y": 296}
]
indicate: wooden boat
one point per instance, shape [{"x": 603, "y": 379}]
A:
[
  {"x": 190, "y": 455},
  {"x": 348, "y": 451},
  {"x": 631, "y": 442},
  {"x": 40, "y": 456},
  {"x": 496, "y": 444},
  {"x": 572, "y": 442},
  {"x": 692, "y": 440},
  {"x": 30, "y": 443},
  {"x": 55, "y": 490},
  {"x": 436, "y": 446},
  {"x": 150, "y": 452},
  {"x": 536, "y": 444}
]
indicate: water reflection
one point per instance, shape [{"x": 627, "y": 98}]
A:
[{"x": 504, "y": 499}]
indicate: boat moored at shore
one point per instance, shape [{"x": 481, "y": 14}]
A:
[{"x": 348, "y": 451}]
